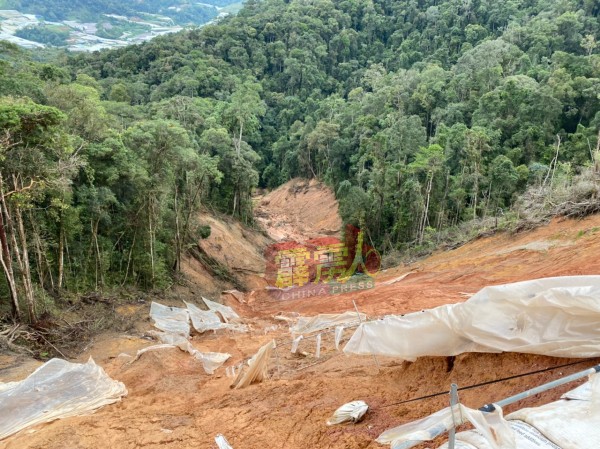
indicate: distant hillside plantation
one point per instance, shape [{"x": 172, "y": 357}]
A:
[{"x": 182, "y": 12}]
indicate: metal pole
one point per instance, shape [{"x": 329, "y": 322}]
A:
[
  {"x": 453, "y": 404},
  {"x": 548, "y": 386},
  {"x": 439, "y": 430}
]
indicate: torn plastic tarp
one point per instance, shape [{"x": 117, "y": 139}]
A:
[
  {"x": 308, "y": 324},
  {"x": 258, "y": 367},
  {"x": 569, "y": 423},
  {"x": 57, "y": 389},
  {"x": 339, "y": 332},
  {"x": 173, "y": 320},
  {"x": 492, "y": 426},
  {"x": 210, "y": 360},
  {"x": 553, "y": 316},
  {"x": 226, "y": 312},
  {"x": 206, "y": 320}
]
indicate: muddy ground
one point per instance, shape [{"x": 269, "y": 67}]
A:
[{"x": 172, "y": 403}]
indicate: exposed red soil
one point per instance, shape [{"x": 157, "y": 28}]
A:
[
  {"x": 299, "y": 210},
  {"x": 173, "y": 404}
]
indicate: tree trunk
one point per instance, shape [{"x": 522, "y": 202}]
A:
[
  {"x": 425, "y": 210},
  {"x": 6, "y": 261},
  {"x": 475, "y": 192},
  {"x": 61, "y": 253},
  {"x": 151, "y": 231},
  {"x": 178, "y": 244},
  {"x": 26, "y": 271}
]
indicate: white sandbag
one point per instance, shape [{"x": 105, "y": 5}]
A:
[
  {"x": 57, "y": 389},
  {"x": 553, "y": 316},
  {"x": 222, "y": 442},
  {"x": 351, "y": 412},
  {"x": 526, "y": 437},
  {"x": 492, "y": 426},
  {"x": 173, "y": 320},
  {"x": 226, "y": 312},
  {"x": 258, "y": 367},
  {"x": 306, "y": 325},
  {"x": 569, "y": 423}
]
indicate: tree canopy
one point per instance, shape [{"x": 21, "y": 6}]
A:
[{"x": 420, "y": 115}]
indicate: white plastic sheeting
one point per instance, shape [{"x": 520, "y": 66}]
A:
[
  {"x": 295, "y": 343},
  {"x": 57, "y": 389},
  {"x": 210, "y": 360},
  {"x": 351, "y": 412},
  {"x": 339, "y": 333},
  {"x": 228, "y": 314},
  {"x": 204, "y": 320},
  {"x": 306, "y": 325},
  {"x": 492, "y": 426},
  {"x": 222, "y": 442},
  {"x": 209, "y": 320},
  {"x": 553, "y": 316},
  {"x": 570, "y": 423},
  {"x": 318, "y": 350},
  {"x": 176, "y": 320},
  {"x": 173, "y": 320},
  {"x": 525, "y": 437},
  {"x": 258, "y": 367}
]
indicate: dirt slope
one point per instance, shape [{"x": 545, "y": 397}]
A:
[
  {"x": 299, "y": 210},
  {"x": 173, "y": 404},
  {"x": 236, "y": 248}
]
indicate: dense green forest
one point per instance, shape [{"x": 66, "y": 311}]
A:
[
  {"x": 420, "y": 114},
  {"x": 47, "y": 34}
]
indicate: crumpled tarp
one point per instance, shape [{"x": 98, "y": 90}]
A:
[
  {"x": 57, "y": 389},
  {"x": 553, "y": 316},
  {"x": 308, "y": 324},
  {"x": 210, "y": 360},
  {"x": 491, "y": 426},
  {"x": 176, "y": 320},
  {"x": 226, "y": 312},
  {"x": 258, "y": 367},
  {"x": 173, "y": 320},
  {"x": 205, "y": 320},
  {"x": 569, "y": 423}
]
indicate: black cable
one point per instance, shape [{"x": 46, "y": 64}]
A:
[{"x": 489, "y": 382}]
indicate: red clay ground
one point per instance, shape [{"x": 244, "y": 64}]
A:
[{"x": 173, "y": 404}]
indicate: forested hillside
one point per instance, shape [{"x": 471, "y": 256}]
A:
[{"x": 420, "y": 114}]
